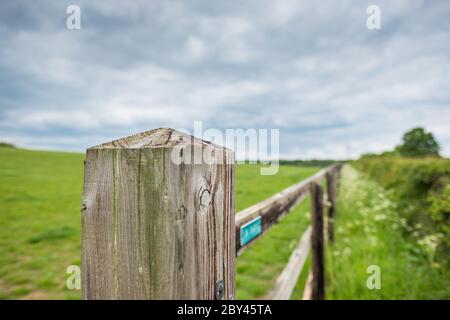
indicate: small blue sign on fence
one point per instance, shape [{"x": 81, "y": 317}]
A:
[{"x": 250, "y": 230}]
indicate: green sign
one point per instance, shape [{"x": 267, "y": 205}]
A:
[{"x": 250, "y": 230}]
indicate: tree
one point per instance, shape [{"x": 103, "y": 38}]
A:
[
  {"x": 418, "y": 143},
  {"x": 6, "y": 145}
]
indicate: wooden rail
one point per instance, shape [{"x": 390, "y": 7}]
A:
[
  {"x": 154, "y": 228},
  {"x": 274, "y": 208},
  {"x": 285, "y": 284},
  {"x": 271, "y": 210}
]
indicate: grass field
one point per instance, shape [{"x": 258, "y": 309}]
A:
[{"x": 40, "y": 197}]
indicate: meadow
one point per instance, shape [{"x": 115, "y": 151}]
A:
[
  {"x": 40, "y": 198},
  {"x": 372, "y": 229}
]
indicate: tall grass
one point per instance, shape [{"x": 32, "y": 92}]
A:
[
  {"x": 421, "y": 189},
  {"x": 369, "y": 231}
]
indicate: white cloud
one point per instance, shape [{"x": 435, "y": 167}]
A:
[
  {"x": 230, "y": 36},
  {"x": 333, "y": 88},
  {"x": 195, "y": 48}
]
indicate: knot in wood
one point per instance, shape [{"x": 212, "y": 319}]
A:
[
  {"x": 219, "y": 290},
  {"x": 205, "y": 198}
]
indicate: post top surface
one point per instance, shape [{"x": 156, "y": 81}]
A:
[{"x": 156, "y": 138}]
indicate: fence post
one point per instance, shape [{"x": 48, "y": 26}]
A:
[
  {"x": 331, "y": 196},
  {"x": 318, "y": 280},
  {"x": 158, "y": 219},
  {"x": 338, "y": 176}
]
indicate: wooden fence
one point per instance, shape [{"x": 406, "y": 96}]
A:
[
  {"x": 271, "y": 210},
  {"x": 155, "y": 228}
]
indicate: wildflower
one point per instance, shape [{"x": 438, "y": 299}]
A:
[
  {"x": 373, "y": 241},
  {"x": 430, "y": 242},
  {"x": 347, "y": 251},
  {"x": 380, "y": 217}
]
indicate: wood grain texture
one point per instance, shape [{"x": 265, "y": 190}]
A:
[
  {"x": 154, "y": 229},
  {"x": 288, "y": 278},
  {"x": 317, "y": 240},
  {"x": 307, "y": 291},
  {"x": 331, "y": 199}
]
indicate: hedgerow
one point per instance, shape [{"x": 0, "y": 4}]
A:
[{"x": 421, "y": 189}]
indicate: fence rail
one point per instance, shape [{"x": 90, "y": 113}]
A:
[
  {"x": 287, "y": 280},
  {"x": 156, "y": 229},
  {"x": 274, "y": 208},
  {"x": 271, "y": 210}
]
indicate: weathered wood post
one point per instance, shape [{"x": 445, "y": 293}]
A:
[
  {"x": 318, "y": 272},
  {"x": 158, "y": 219},
  {"x": 338, "y": 176},
  {"x": 331, "y": 197}
]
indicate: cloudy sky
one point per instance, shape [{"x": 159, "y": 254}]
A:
[{"x": 309, "y": 68}]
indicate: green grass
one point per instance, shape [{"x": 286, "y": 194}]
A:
[
  {"x": 39, "y": 222},
  {"x": 369, "y": 231},
  {"x": 40, "y": 198}
]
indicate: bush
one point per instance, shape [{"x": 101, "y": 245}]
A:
[
  {"x": 6, "y": 145},
  {"x": 421, "y": 188}
]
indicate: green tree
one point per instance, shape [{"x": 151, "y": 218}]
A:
[
  {"x": 418, "y": 143},
  {"x": 6, "y": 145}
]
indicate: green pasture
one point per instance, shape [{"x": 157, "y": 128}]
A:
[{"x": 40, "y": 198}]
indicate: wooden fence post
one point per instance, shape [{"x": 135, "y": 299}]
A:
[
  {"x": 331, "y": 196},
  {"x": 338, "y": 176},
  {"x": 155, "y": 226},
  {"x": 317, "y": 240}
]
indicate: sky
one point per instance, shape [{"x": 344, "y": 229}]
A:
[{"x": 311, "y": 69}]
